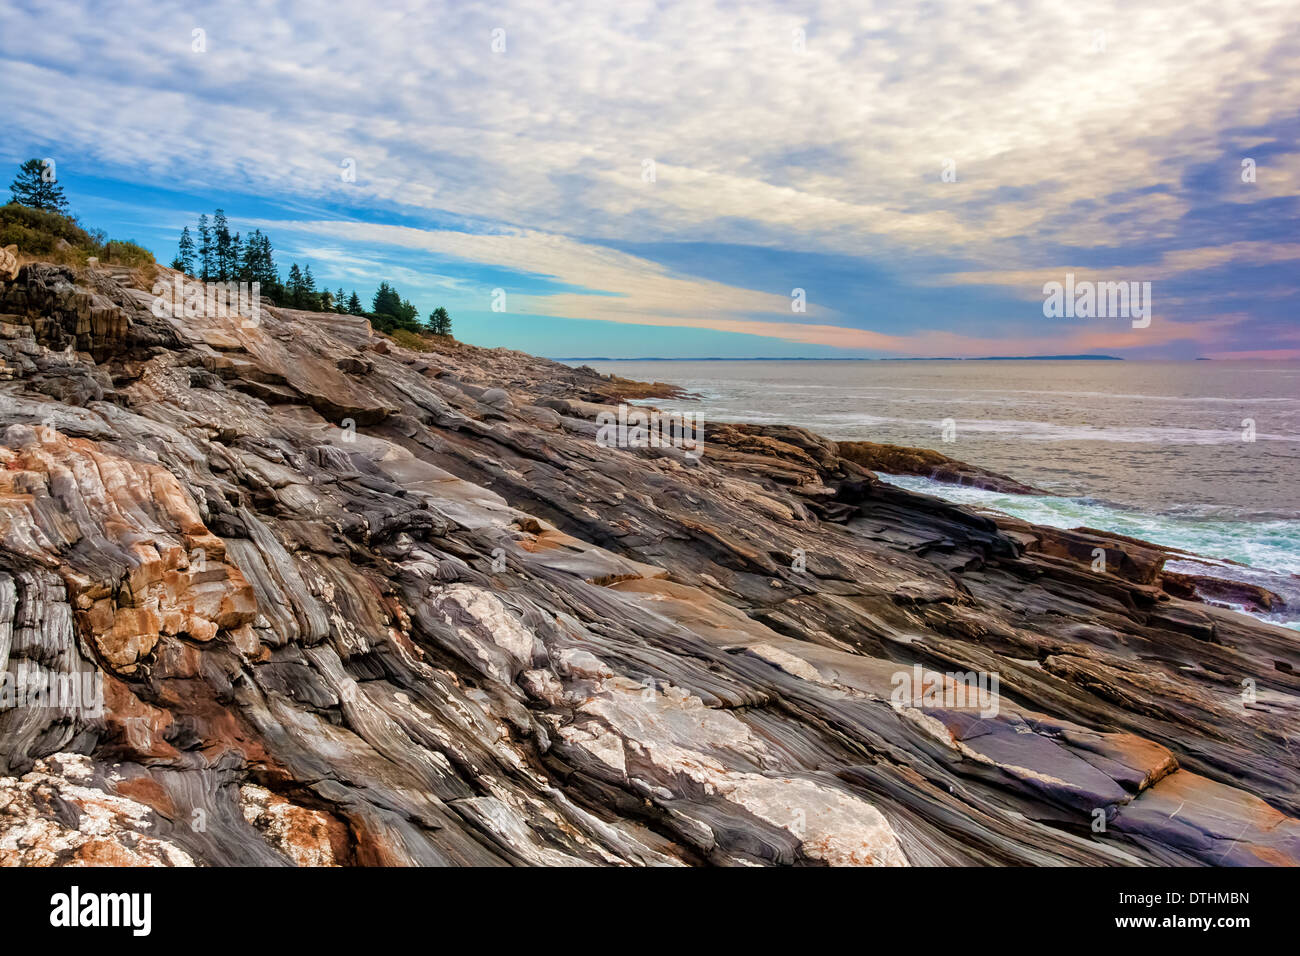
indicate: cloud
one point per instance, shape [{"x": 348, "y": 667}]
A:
[
  {"x": 626, "y": 288},
  {"x": 1071, "y": 125},
  {"x": 637, "y": 291},
  {"x": 1028, "y": 283},
  {"x": 551, "y": 133}
]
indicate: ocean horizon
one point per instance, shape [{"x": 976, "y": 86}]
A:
[{"x": 853, "y": 358}]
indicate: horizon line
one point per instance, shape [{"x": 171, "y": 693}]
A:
[{"x": 852, "y": 358}]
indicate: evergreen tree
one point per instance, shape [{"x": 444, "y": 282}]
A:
[
  {"x": 264, "y": 262},
  {"x": 293, "y": 287},
  {"x": 310, "y": 297},
  {"x": 221, "y": 240},
  {"x": 31, "y": 188},
  {"x": 386, "y": 301},
  {"x": 185, "y": 259},
  {"x": 340, "y": 302},
  {"x": 439, "y": 322},
  {"x": 205, "y": 249},
  {"x": 236, "y": 256},
  {"x": 259, "y": 265},
  {"x": 268, "y": 275},
  {"x": 248, "y": 263},
  {"x": 354, "y": 305}
]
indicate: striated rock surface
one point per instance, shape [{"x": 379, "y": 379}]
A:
[
  {"x": 280, "y": 592},
  {"x": 925, "y": 463}
]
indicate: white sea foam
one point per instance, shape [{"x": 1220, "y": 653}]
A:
[
  {"x": 1271, "y": 547},
  {"x": 1203, "y": 456}
]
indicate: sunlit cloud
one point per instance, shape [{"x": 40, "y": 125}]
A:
[
  {"x": 959, "y": 145},
  {"x": 1029, "y": 282}
]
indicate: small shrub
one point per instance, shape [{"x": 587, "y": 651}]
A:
[
  {"x": 126, "y": 253},
  {"x": 37, "y": 232},
  {"x": 411, "y": 340},
  {"x": 50, "y": 236}
]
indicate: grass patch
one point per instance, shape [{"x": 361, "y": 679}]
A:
[
  {"x": 421, "y": 341},
  {"x": 51, "y": 237}
]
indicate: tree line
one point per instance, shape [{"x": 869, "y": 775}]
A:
[{"x": 219, "y": 255}]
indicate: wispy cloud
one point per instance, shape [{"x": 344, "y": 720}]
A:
[
  {"x": 1071, "y": 130},
  {"x": 1029, "y": 282}
]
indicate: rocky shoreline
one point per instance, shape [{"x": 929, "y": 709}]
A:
[
  {"x": 352, "y": 604},
  {"x": 925, "y": 463}
]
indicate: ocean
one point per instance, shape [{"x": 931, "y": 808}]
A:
[{"x": 1202, "y": 456}]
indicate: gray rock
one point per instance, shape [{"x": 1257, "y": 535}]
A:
[{"x": 350, "y": 607}]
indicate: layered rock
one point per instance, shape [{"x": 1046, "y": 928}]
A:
[
  {"x": 350, "y": 604},
  {"x": 926, "y": 463}
]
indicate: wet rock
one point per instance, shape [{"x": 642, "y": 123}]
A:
[{"x": 901, "y": 460}]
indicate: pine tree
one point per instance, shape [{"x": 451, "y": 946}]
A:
[
  {"x": 354, "y": 304},
  {"x": 185, "y": 259},
  {"x": 221, "y": 237},
  {"x": 293, "y": 288},
  {"x": 386, "y": 301},
  {"x": 310, "y": 297},
  {"x": 205, "y": 248},
  {"x": 439, "y": 322},
  {"x": 236, "y": 257},
  {"x": 268, "y": 275},
  {"x": 408, "y": 313},
  {"x": 340, "y": 302},
  {"x": 31, "y": 188},
  {"x": 259, "y": 265},
  {"x": 248, "y": 264}
]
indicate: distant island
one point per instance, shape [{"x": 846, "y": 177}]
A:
[{"x": 813, "y": 358}]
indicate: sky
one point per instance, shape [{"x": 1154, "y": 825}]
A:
[{"x": 701, "y": 179}]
